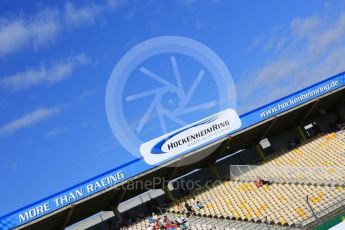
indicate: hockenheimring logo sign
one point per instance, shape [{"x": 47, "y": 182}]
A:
[
  {"x": 192, "y": 139},
  {"x": 159, "y": 94}
]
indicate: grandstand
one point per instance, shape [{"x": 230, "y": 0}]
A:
[
  {"x": 283, "y": 201},
  {"x": 301, "y": 162}
]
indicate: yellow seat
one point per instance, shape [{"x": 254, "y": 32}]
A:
[
  {"x": 340, "y": 188},
  {"x": 301, "y": 213},
  {"x": 282, "y": 221},
  {"x": 248, "y": 216}
]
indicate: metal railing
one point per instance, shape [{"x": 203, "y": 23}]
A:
[{"x": 338, "y": 203}]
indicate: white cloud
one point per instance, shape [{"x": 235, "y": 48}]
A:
[
  {"x": 45, "y": 26},
  {"x": 302, "y": 27},
  {"x": 313, "y": 49},
  {"x": 115, "y": 4},
  {"x": 81, "y": 16},
  {"x": 190, "y": 1},
  {"x": 86, "y": 94},
  {"x": 56, "y": 132},
  {"x": 44, "y": 75},
  {"x": 257, "y": 40},
  {"x": 35, "y": 32},
  {"x": 106, "y": 145},
  {"x": 30, "y": 119},
  {"x": 13, "y": 36},
  {"x": 333, "y": 35},
  {"x": 86, "y": 15}
]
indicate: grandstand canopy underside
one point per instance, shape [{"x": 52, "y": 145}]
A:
[{"x": 104, "y": 200}]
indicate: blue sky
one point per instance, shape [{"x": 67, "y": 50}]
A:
[{"x": 56, "y": 58}]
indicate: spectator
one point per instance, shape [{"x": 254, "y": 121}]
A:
[
  {"x": 149, "y": 220},
  {"x": 168, "y": 224},
  {"x": 166, "y": 220},
  {"x": 197, "y": 204},
  {"x": 157, "y": 225},
  {"x": 265, "y": 182},
  {"x": 189, "y": 209},
  {"x": 183, "y": 226},
  {"x": 258, "y": 183},
  {"x": 180, "y": 220},
  {"x": 161, "y": 223},
  {"x": 154, "y": 217}
]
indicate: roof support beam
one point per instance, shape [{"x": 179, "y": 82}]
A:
[
  {"x": 265, "y": 133},
  {"x": 214, "y": 172},
  {"x": 341, "y": 101},
  {"x": 168, "y": 193},
  {"x": 117, "y": 199},
  {"x": 68, "y": 217},
  {"x": 300, "y": 133},
  {"x": 171, "y": 176},
  {"x": 258, "y": 150},
  {"x": 224, "y": 146},
  {"x": 312, "y": 108},
  {"x": 338, "y": 104}
]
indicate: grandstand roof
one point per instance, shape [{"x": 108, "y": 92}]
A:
[{"x": 245, "y": 138}]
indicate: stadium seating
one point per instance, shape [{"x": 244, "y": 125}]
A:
[
  {"x": 320, "y": 161},
  {"x": 317, "y": 172},
  {"x": 323, "y": 151},
  {"x": 282, "y": 204}
]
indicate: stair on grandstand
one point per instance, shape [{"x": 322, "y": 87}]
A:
[{"x": 199, "y": 222}]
